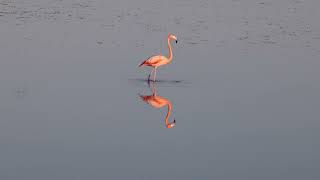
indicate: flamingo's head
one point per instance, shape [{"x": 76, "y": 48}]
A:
[
  {"x": 171, "y": 36},
  {"x": 171, "y": 125}
]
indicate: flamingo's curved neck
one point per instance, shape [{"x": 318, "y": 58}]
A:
[
  {"x": 168, "y": 114},
  {"x": 170, "y": 50}
]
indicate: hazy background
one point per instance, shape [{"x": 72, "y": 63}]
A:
[{"x": 247, "y": 106}]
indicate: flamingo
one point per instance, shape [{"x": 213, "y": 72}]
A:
[
  {"x": 159, "y": 60},
  {"x": 157, "y": 102}
]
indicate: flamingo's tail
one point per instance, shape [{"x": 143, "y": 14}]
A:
[
  {"x": 142, "y": 63},
  {"x": 144, "y": 98}
]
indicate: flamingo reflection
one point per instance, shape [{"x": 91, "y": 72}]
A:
[{"x": 158, "y": 102}]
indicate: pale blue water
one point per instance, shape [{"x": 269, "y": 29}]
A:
[{"x": 244, "y": 87}]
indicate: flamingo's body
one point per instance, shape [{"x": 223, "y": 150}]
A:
[
  {"x": 158, "y": 102},
  {"x": 159, "y": 60}
]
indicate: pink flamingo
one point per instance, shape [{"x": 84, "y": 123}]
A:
[
  {"x": 158, "y": 102},
  {"x": 159, "y": 60}
]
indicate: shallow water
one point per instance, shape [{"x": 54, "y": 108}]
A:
[{"x": 243, "y": 87}]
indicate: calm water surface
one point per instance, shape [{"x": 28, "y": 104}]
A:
[{"x": 243, "y": 87}]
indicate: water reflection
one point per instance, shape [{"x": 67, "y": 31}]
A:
[{"x": 158, "y": 102}]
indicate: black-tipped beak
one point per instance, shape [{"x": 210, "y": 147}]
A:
[{"x": 176, "y": 41}]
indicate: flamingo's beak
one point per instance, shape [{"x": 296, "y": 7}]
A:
[{"x": 176, "y": 41}]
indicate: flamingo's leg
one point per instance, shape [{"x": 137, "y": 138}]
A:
[
  {"x": 151, "y": 72},
  {"x": 154, "y": 75},
  {"x": 153, "y": 89}
]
